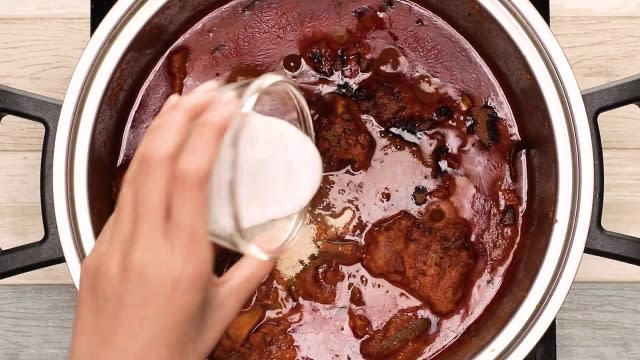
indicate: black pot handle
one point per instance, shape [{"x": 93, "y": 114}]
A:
[
  {"x": 48, "y": 250},
  {"x": 601, "y": 242}
]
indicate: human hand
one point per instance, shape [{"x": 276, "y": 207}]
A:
[{"x": 147, "y": 290}]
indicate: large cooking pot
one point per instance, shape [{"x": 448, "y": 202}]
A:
[{"x": 557, "y": 121}]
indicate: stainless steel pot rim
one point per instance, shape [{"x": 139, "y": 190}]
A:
[
  {"x": 575, "y": 180},
  {"x": 550, "y": 69}
]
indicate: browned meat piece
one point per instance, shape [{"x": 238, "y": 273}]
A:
[
  {"x": 178, "y": 69},
  {"x": 384, "y": 245},
  {"x": 350, "y": 62},
  {"x": 434, "y": 214},
  {"x": 244, "y": 323},
  {"x": 267, "y": 294},
  {"x": 224, "y": 348},
  {"x": 351, "y": 66},
  {"x": 359, "y": 324},
  {"x": 510, "y": 211},
  {"x": 389, "y": 60},
  {"x": 438, "y": 260},
  {"x": 356, "y": 297},
  {"x": 445, "y": 186},
  {"x": 368, "y": 20},
  {"x": 390, "y": 100},
  {"x": 344, "y": 252},
  {"x": 334, "y": 55},
  {"x": 510, "y": 197},
  {"x": 270, "y": 341},
  {"x": 508, "y": 216},
  {"x": 444, "y": 113},
  {"x": 321, "y": 57},
  {"x": 395, "y": 336},
  {"x": 342, "y": 138},
  {"x": 318, "y": 283},
  {"x": 244, "y": 71},
  {"x": 432, "y": 260},
  {"x": 420, "y": 195},
  {"x": 362, "y": 11},
  {"x": 484, "y": 121}
]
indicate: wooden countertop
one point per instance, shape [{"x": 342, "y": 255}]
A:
[{"x": 40, "y": 42}]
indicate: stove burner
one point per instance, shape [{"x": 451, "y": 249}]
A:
[
  {"x": 99, "y": 9},
  {"x": 543, "y": 9},
  {"x": 546, "y": 348}
]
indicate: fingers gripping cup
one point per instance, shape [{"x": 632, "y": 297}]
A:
[{"x": 267, "y": 171}]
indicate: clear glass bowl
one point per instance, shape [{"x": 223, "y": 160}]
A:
[{"x": 271, "y": 95}]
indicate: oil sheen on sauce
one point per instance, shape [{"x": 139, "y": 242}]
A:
[{"x": 411, "y": 124}]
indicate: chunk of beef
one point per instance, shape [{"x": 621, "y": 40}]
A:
[
  {"x": 361, "y": 11},
  {"x": 390, "y": 100},
  {"x": 444, "y": 113},
  {"x": 245, "y": 71},
  {"x": 359, "y": 324},
  {"x": 368, "y": 20},
  {"x": 271, "y": 340},
  {"x": 420, "y": 195},
  {"x": 356, "y": 297},
  {"x": 244, "y": 323},
  {"x": 327, "y": 58},
  {"x": 351, "y": 66},
  {"x": 438, "y": 260},
  {"x": 318, "y": 283},
  {"x": 396, "y": 337},
  {"x": 432, "y": 260},
  {"x": 344, "y": 252},
  {"x": 445, "y": 185},
  {"x": 321, "y": 56},
  {"x": 508, "y": 216},
  {"x": 178, "y": 59},
  {"x": 342, "y": 138},
  {"x": 384, "y": 245},
  {"x": 483, "y": 123}
]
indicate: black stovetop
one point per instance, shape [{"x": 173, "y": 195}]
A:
[{"x": 546, "y": 348}]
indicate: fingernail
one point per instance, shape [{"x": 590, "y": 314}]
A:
[
  {"x": 172, "y": 99},
  {"x": 228, "y": 97},
  {"x": 223, "y": 106},
  {"x": 224, "y": 99},
  {"x": 206, "y": 87}
]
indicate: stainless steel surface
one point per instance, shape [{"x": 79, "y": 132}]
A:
[
  {"x": 575, "y": 179},
  {"x": 94, "y": 70},
  {"x": 564, "y": 146}
]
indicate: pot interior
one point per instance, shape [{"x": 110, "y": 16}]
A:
[{"x": 469, "y": 19}]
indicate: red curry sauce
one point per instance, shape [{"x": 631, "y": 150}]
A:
[{"x": 417, "y": 139}]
